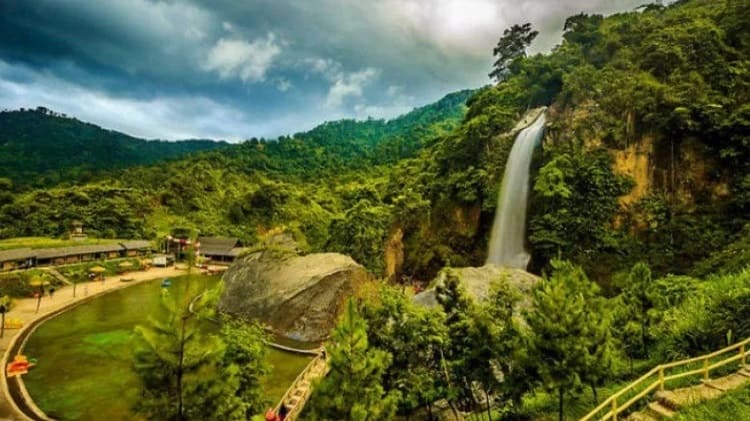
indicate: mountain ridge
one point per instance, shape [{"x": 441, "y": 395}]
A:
[{"x": 42, "y": 148}]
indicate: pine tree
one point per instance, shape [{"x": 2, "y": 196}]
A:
[
  {"x": 245, "y": 350},
  {"x": 353, "y": 389},
  {"x": 458, "y": 310},
  {"x": 570, "y": 338},
  {"x": 637, "y": 298},
  {"x": 502, "y": 338},
  {"x": 181, "y": 369},
  {"x": 415, "y": 336}
]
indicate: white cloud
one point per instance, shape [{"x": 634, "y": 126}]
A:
[
  {"x": 474, "y": 26},
  {"x": 283, "y": 84},
  {"x": 328, "y": 68},
  {"x": 386, "y": 111},
  {"x": 162, "y": 117},
  {"x": 394, "y": 90},
  {"x": 396, "y": 103},
  {"x": 349, "y": 85},
  {"x": 248, "y": 61}
]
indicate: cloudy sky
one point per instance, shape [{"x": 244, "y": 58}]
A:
[{"x": 234, "y": 69}]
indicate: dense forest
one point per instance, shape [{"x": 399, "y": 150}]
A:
[
  {"x": 42, "y": 148},
  {"x": 303, "y": 182},
  {"x": 645, "y": 159},
  {"x": 639, "y": 218}
]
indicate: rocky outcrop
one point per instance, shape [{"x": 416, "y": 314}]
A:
[
  {"x": 299, "y": 297},
  {"x": 477, "y": 281}
]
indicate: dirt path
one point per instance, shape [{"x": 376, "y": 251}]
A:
[{"x": 24, "y": 309}]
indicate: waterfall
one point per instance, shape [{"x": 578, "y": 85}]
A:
[{"x": 509, "y": 228}]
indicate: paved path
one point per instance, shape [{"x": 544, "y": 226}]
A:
[{"x": 24, "y": 309}]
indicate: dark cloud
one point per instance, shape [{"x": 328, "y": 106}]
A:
[{"x": 235, "y": 69}]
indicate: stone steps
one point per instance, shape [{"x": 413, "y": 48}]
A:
[
  {"x": 57, "y": 275},
  {"x": 670, "y": 401},
  {"x": 659, "y": 411},
  {"x": 641, "y": 416}
]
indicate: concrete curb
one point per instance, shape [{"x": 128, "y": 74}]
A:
[{"x": 14, "y": 348}]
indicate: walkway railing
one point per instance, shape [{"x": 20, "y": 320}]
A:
[
  {"x": 659, "y": 375},
  {"x": 299, "y": 392}
]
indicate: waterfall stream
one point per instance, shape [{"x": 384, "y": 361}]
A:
[{"x": 509, "y": 228}]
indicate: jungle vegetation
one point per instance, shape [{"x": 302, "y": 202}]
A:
[{"x": 637, "y": 267}]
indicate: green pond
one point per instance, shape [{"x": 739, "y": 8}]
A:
[{"x": 84, "y": 355}]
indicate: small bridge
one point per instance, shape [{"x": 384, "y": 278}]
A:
[
  {"x": 299, "y": 392},
  {"x": 616, "y": 406}
]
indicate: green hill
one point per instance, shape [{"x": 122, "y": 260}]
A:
[
  {"x": 340, "y": 145},
  {"x": 302, "y": 181},
  {"x": 40, "y": 147}
]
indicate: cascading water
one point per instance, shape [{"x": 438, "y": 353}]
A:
[{"x": 509, "y": 228}]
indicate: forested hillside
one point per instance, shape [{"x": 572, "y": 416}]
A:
[
  {"x": 645, "y": 159},
  {"x": 42, "y": 148},
  {"x": 302, "y": 182},
  {"x": 638, "y": 223}
]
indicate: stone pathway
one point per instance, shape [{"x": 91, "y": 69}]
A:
[
  {"x": 24, "y": 309},
  {"x": 670, "y": 401}
]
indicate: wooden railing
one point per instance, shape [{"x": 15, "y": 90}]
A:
[
  {"x": 659, "y": 375},
  {"x": 298, "y": 393}
]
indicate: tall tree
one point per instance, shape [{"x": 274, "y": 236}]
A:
[
  {"x": 246, "y": 350},
  {"x": 511, "y": 46},
  {"x": 503, "y": 375},
  {"x": 638, "y": 300},
  {"x": 353, "y": 389},
  {"x": 564, "y": 324},
  {"x": 181, "y": 369},
  {"x": 458, "y": 309},
  {"x": 415, "y": 336}
]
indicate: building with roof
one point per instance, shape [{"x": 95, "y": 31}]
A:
[
  {"x": 219, "y": 249},
  {"x": 25, "y": 258},
  {"x": 16, "y": 259}
]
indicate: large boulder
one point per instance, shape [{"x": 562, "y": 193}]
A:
[
  {"x": 299, "y": 297},
  {"x": 477, "y": 281}
]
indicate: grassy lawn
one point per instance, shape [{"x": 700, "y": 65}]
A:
[{"x": 44, "y": 242}]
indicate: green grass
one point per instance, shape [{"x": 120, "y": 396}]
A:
[
  {"x": 44, "y": 242},
  {"x": 732, "y": 406}
]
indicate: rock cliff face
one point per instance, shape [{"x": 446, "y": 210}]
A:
[
  {"x": 477, "y": 281},
  {"x": 299, "y": 297}
]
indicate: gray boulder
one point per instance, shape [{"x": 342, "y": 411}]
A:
[
  {"x": 477, "y": 281},
  {"x": 299, "y": 297}
]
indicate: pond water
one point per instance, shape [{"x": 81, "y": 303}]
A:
[{"x": 84, "y": 355}]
